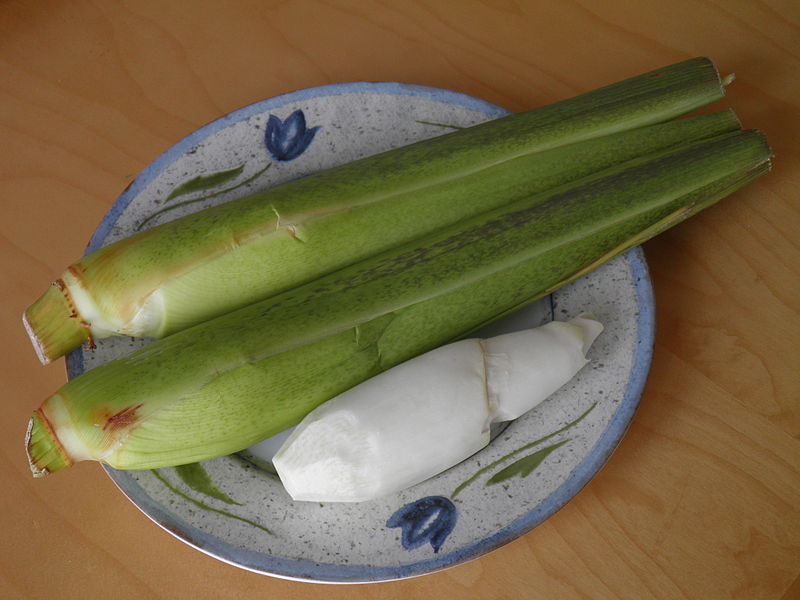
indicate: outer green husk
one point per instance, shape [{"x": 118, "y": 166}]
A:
[
  {"x": 223, "y": 385},
  {"x": 229, "y": 256}
]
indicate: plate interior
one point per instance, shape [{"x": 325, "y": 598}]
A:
[{"x": 236, "y": 510}]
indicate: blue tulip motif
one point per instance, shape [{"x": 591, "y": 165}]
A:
[
  {"x": 427, "y": 520},
  {"x": 286, "y": 140}
]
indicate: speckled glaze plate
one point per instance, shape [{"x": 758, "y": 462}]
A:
[{"x": 236, "y": 510}]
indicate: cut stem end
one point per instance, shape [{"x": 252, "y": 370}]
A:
[
  {"x": 45, "y": 452},
  {"x": 53, "y": 325}
]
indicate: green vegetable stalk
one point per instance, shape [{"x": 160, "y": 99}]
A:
[
  {"x": 225, "y": 384},
  {"x": 192, "y": 269}
]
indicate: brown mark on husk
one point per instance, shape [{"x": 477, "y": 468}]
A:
[
  {"x": 122, "y": 419},
  {"x": 62, "y": 287}
]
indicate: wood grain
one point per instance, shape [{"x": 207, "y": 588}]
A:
[{"x": 701, "y": 499}]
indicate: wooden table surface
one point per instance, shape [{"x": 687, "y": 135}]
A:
[{"x": 700, "y": 500}]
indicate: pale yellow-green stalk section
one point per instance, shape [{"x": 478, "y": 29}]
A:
[
  {"x": 220, "y": 386},
  {"x": 195, "y": 268}
]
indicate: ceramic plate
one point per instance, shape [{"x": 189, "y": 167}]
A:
[{"x": 235, "y": 509}]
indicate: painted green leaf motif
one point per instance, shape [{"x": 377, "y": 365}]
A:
[
  {"x": 492, "y": 465},
  {"x": 205, "y": 182},
  {"x": 205, "y": 506},
  {"x": 440, "y": 124},
  {"x": 196, "y": 477},
  {"x": 243, "y": 183},
  {"x": 524, "y": 466}
]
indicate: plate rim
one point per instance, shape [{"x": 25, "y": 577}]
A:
[{"x": 307, "y": 570}]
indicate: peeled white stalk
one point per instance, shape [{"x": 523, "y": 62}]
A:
[{"x": 427, "y": 414}]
